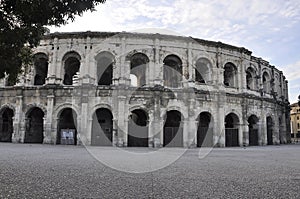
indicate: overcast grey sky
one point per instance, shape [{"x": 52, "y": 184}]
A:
[{"x": 268, "y": 28}]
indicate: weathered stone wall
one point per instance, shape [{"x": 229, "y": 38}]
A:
[{"x": 263, "y": 95}]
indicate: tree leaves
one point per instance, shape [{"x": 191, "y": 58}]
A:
[{"x": 22, "y": 24}]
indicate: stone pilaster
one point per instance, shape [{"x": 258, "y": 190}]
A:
[
  {"x": 122, "y": 122},
  {"x": 276, "y": 135},
  {"x": 158, "y": 67},
  {"x": 244, "y": 134},
  {"x": 18, "y": 124},
  {"x": 49, "y": 135},
  {"x": 219, "y": 133}
]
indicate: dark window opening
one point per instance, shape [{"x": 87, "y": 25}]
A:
[
  {"x": 72, "y": 65},
  {"x": 203, "y": 67},
  {"x": 229, "y": 75},
  {"x": 266, "y": 82},
  {"x": 172, "y": 71},
  {"x": 138, "y": 67},
  {"x": 105, "y": 62},
  {"x": 41, "y": 69}
]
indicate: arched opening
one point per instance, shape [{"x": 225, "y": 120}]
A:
[
  {"x": 266, "y": 82},
  {"x": 41, "y": 68},
  {"x": 250, "y": 75},
  {"x": 6, "y": 125},
  {"x": 172, "y": 71},
  {"x": 253, "y": 130},
  {"x": 34, "y": 126},
  {"x": 138, "y": 129},
  {"x": 205, "y": 130},
  {"x": 138, "y": 67},
  {"x": 270, "y": 125},
  {"x": 66, "y": 127},
  {"x": 277, "y": 85},
  {"x": 230, "y": 75},
  {"x": 173, "y": 131},
  {"x": 105, "y": 62},
  {"x": 203, "y": 71},
  {"x": 71, "y": 66},
  {"x": 102, "y": 128},
  {"x": 231, "y": 130}
]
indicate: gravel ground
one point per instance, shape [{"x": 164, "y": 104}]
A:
[{"x": 48, "y": 171}]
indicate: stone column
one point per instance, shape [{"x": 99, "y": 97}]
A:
[
  {"x": 158, "y": 69},
  {"x": 122, "y": 121},
  {"x": 263, "y": 130},
  {"x": 155, "y": 132},
  {"x": 52, "y": 65},
  {"x": 191, "y": 123},
  {"x": 59, "y": 66},
  {"x": 283, "y": 138},
  {"x": 276, "y": 130},
  {"x": 191, "y": 131},
  {"x": 260, "y": 135},
  {"x": 115, "y": 132},
  {"x": 190, "y": 63},
  {"x": 219, "y": 133},
  {"x": 244, "y": 140},
  {"x": 151, "y": 133},
  {"x": 88, "y": 67},
  {"x": 18, "y": 122},
  {"x": 82, "y": 126},
  {"x": 88, "y": 139},
  {"x": 151, "y": 74},
  {"x": 49, "y": 135},
  {"x": 218, "y": 76},
  {"x": 185, "y": 132},
  {"x": 157, "y": 123},
  {"x": 240, "y": 75}
]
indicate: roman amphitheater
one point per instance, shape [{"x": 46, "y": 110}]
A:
[{"x": 144, "y": 90}]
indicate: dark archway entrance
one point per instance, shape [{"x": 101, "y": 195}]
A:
[
  {"x": 6, "y": 125},
  {"x": 105, "y": 61},
  {"x": 138, "y": 129},
  {"x": 66, "y": 130},
  {"x": 205, "y": 130},
  {"x": 231, "y": 130},
  {"x": 34, "y": 126},
  {"x": 270, "y": 131},
  {"x": 102, "y": 128},
  {"x": 172, "y": 71},
  {"x": 253, "y": 130},
  {"x": 173, "y": 131}
]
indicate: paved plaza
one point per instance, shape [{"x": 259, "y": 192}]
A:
[{"x": 49, "y": 171}]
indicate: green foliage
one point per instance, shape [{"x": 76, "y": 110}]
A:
[{"x": 22, "y": 24}]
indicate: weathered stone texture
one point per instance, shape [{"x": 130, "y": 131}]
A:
[{"x": 222, "y": 95}]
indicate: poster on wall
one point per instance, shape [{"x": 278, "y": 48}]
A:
[{"x": 67, "y": 136}]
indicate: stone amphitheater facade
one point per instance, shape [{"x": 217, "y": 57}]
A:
[{"x": 145, "y": 90}]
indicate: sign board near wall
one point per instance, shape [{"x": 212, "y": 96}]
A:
[{"x": 67, "y": 136}]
